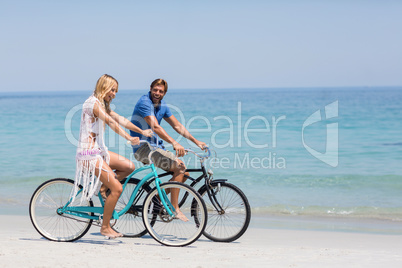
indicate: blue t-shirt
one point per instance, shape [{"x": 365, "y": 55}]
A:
[{"x": 144, "y": 108}]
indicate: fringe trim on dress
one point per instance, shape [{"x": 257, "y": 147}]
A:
[{"x": 91, "y": 150}]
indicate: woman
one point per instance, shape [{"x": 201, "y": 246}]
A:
[{"x": 95, "y": 164}]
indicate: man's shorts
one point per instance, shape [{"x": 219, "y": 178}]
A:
[{"x": 161, "y": 158}]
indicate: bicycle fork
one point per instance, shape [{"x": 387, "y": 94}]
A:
[
  {"x": 164, "y": 199},
  {"x": 212, "y": 192}
]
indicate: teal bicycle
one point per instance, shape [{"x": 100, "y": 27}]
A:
[
  {"x": 229, "y": 212},
  {"x": 56, "y": 218}
]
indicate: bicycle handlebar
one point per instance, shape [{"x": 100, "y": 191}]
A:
[
  {"x": 153, "y": 148},
  {"x": 198, "y": 155},
  {"x": 141, "y": 142}
]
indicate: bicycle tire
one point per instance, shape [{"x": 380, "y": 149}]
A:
[
  {"x": 235, "y": 219},
  {"x": 171, "y": 231},
  {"x": 131, "y": 224},
  {"x": 45, "y": 201}
]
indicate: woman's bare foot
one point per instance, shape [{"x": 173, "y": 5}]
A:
[
  {"x": 110, "y": 233},
  {"x": 180, "y": 216}
]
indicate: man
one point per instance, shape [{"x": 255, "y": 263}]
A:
[{"x": 148, "y": 114}]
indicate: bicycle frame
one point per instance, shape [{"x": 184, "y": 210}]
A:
[
  {"x": 194, "y": 182},
  {"x": 87, "y": 211}
]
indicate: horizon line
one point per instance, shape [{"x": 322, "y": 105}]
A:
[{"x": 227, "y": 88}]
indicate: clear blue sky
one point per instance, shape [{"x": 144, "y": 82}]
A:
[{"x": 67, "y": 45}]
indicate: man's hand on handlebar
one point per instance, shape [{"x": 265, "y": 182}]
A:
[
  {"x": 202, "y": 145},
  {"x": 179, "y": 149}
]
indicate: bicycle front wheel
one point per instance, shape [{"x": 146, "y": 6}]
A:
[
  {"x": 232, "y": 221},
  {"x": 131, "y": 224},
  {"x": 170, "y": 230},
  {"x": 46, "y": 200}
]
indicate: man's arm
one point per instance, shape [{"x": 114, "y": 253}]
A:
[
  {"x": 179, "y": 128},
  {"x": 102, "y": 115},
  {"x": 153, "y": 123}
]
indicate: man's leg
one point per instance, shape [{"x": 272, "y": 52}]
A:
[
  {"x": 169, "y": 162},
  {"x": 178, "y": 169}
]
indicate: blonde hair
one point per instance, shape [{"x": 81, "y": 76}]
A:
[{"x": 103, "y": 86}]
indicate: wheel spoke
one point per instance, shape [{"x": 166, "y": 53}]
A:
[
  {"x": 235, "y": 217},
  {"x": 170, "y": 230},
  {"x": 50, "y": 196},
  {"x": 130, "y": 224}
]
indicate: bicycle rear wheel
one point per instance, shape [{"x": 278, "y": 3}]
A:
[
  {"x": 231, "y": 223},
  {"x": 46, "y": 200},
  {"x": 169, "y": 230},
  {"x": 131, "y": 224}
]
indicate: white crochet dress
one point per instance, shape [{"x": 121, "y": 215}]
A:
[{"x": 91, "y": 149}]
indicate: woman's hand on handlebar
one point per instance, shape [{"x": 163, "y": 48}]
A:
[
  {"x": 133, "y": 140},
  {"x": 147, "y": 133}
]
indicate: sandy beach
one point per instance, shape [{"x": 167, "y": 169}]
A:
[{"x": 22, "y": 246}]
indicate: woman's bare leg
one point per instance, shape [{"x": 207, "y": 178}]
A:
[
  {"x": 107, "y": 177},
  {"x": 121, "y": 165},
  {"x": 122, "y": 168}
]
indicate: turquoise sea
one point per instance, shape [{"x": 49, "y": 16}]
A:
[{"x": 299, "y": 153}]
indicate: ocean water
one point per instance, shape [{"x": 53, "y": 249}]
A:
[{"x": 321, "y": 152}]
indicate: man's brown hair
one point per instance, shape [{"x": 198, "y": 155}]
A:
[{"x": 158, "y": 82}]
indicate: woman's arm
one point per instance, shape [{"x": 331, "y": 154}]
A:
[
  {"x": 101, "y": 114},
  {"x": 127, "y": 124}
]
